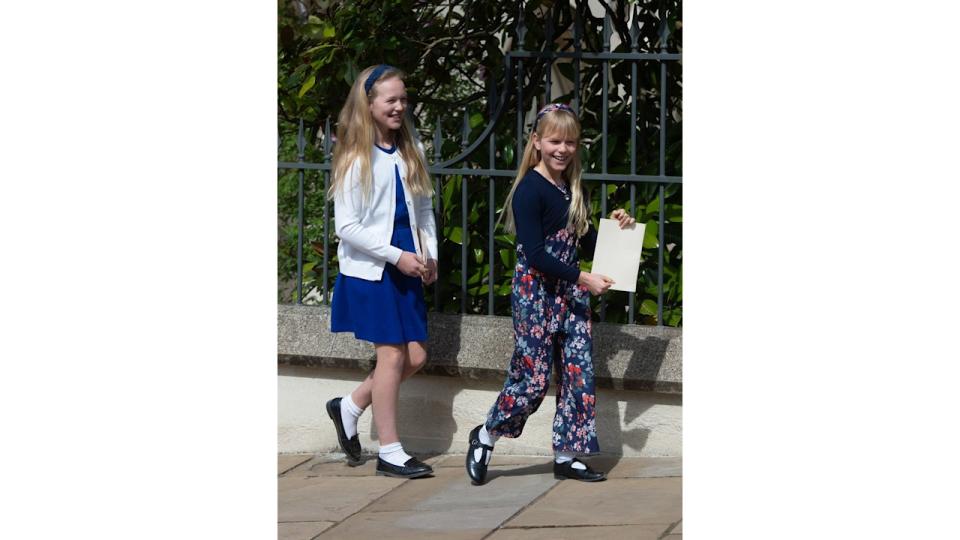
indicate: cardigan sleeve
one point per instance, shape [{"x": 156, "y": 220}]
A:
[{"x": 347, "y": 213}]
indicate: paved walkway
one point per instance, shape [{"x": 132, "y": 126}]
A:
[{"x": 321, "y": 497}]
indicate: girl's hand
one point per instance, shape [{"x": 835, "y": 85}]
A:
[
  {"x": 411, "y": 265},
  {"x": 431, "y": 274},
  {"x": 623, "y": 217},
  {"x": 597, "y": 284}
]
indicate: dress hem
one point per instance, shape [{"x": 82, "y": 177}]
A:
[{"x": 378, "y": 341}]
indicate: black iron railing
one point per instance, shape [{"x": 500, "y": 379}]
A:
[{"x": 497, "y": 103}]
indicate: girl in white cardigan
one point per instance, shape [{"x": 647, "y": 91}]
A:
[{"x": 382, "y": 197}]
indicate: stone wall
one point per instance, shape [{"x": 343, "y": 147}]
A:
[{"x": 639, "y": 381}]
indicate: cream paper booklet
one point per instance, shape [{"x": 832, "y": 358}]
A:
[
  {"x": 422, "y": 244},
  {"x": 617, "y": 255}
]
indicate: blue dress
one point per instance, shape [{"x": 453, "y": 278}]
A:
[{"x": 390, "y": 310}]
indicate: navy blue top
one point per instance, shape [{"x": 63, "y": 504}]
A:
[{"x": 540, "y": 210}]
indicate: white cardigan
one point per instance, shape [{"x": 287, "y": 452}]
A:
[{"x": 365, "y": 230}]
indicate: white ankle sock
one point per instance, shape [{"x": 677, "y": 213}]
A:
[
  {"x": 349, "y": 413},
  {"x": 487, "y": 439},
  {"x": 393, "y": 454},
  {"x": 563, "y": 457}
]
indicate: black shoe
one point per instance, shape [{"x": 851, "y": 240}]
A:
[
  {"x": 351, "y": 446},
  {"x": 413, "y": 468},
  {"x": 566, "y": 470},
  {"x": 477, "y": 470}
]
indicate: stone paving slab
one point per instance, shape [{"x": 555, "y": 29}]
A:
[
  {"x": 450, "y": 491},
  {"x": 412, "y": 526},
  {"x": 303, "y": 530},
  {"x": 321, "y": 495},
  {"x": 446, "y": 505},
  {"x": 336, "y": 465},
  {"x": 329, "y": 498},
  {"x": 616, "y": 532},
  {"x": 497, "y": 475},
  {"x": 286, "y": 462},
  {"x": 617, "y": 501},
  {"x": 638, "y": 467},
  {"x": 338, "y": 468}
]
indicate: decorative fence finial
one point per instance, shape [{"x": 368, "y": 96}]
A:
[
  {"x": 606, "y": 32},
  {"x": 635, "y": 28},
  {"x": 521, "y": 29}
]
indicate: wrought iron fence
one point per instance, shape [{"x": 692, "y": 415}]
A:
[{"x": 466, "y": 170}]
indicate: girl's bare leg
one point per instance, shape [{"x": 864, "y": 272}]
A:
[
  {"x": 416, "y": 356},
  {"x": 386, "y": 386}
]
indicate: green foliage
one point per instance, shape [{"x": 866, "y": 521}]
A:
[{"x": 452, "y": 57}]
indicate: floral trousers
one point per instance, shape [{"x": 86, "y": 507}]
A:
[{"x": 551, "y": 325}]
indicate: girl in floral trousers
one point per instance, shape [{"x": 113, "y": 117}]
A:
[{"x": 547, "y": 211}]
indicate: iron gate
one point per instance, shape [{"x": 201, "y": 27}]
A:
[{"x": 497, "y": 104}]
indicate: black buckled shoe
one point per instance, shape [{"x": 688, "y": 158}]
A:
[
  {"x": 566, "y": 470},
  {"x": 351, "y": 446},
  {"x": 413, "y": 468},
  {"x": 477, "y": 470}
]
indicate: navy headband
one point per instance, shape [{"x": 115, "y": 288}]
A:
[
  {"x": 374, "y": 75},
  {"x": 549, "y": 108}
]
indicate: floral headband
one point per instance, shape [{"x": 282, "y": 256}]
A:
[{"x": 550, "y": 108}]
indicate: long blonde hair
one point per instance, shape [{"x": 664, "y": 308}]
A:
[
  {"x": 564, "y": 123},
  {"x": 356, "y": 133}
]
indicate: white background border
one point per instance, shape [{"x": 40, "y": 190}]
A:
[{"x": 138, "y": 172}]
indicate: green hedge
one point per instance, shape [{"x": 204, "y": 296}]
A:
[{"x": 445, "y": 54}]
